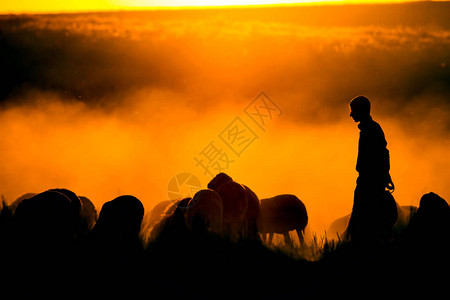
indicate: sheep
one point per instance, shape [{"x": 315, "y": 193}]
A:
[
  {"x": 252, "y": 215},
  {"x": 432, "y": 220},
  {"x": 241, "y": 206},
  {"x": 171, "y": 222},
  {"x": 88, "y": 212},
  {"x": 205, "y": 211},
  {"x": 280, "y": 214},
  {"x": 120, "y": 218},
  {"x": 338, "y": 227},
  {"x": 405, "y": 214},
  {"x": 16, "y": 202},
  {"x": 154, "y": 217},
  {"x": 48, "y": 216}
]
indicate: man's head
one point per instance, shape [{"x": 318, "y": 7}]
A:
[{"x": 360, "y": 108}]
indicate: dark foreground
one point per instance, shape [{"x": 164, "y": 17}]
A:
[{"x": 200, "y": 265}]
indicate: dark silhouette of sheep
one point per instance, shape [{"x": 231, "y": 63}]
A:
[
  {"x": 253, "y": 212},
  {"x": 432, "y": 220},
  {"x": 43, "y": 245},
  {"x": 114, "y": 245},
  {"x": 389, "y": 216},
  {"x": 405, "y": 214},
  {"x": 171, "y": 223},
  {"x": 16, "y": 202},
  {"x": 120, "y": 218},
  {"x": 84, "y": 212},
  {"x": 432, "y": 204},
  {"x": 205, "y": 211},
  {"x": 337, "y": 228},
  {"x": 218, "y": 180},
  {"x": 79, "y": 212},
  {"x": 114, "y": 241},
  {"x": 74, "y": 200},
  {"x": 48, "y": 216},
  {"x": 281, "y": 214},
  {"x": 240, "y": 206},
  {"x": 88, "y": 212},
  {"x": 156, "y": 214}
]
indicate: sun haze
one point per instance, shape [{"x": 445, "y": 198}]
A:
[{"x": 55, "y": 6}]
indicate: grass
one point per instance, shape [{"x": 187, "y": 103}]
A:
[
  {"x": 202, "y": 265},
  {"x": 312, "y": 249}
]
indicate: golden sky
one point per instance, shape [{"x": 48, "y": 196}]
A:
[
  {"x": 157, "y": 89},
  {"x": 55, "y": 6}
]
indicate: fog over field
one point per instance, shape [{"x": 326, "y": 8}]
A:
[{"x": 118, "y": 103}]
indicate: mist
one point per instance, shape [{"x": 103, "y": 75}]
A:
[{"x": 120, "y": 103}]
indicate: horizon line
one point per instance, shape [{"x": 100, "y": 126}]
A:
[{"x": 224, "y": 7}]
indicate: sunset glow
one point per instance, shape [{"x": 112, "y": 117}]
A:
[
  {"x": 208, "y": 3},
  {"x": 54, "y": 6},
  {"x": 171, "y": 81}
]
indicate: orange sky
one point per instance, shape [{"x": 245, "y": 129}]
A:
[
  {"x": 55, "y": 6},
  {"x": 153, "y": 72}
]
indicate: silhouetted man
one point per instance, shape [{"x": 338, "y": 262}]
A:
[{"x": 373, "y": 207}]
